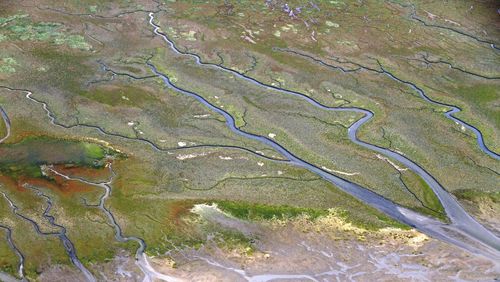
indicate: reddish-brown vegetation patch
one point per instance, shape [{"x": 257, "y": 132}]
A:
[{"x": 91, "y": 174}]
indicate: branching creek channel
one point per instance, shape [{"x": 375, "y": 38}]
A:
[
  {"x": 141, "y": 258},
  {"x": 382, "y": 71},
  {"x": 7, "y": 229},
  {"x": 68, "y": 245},
  {"x": 462, "y": 230}
]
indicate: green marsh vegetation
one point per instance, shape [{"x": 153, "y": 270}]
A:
[
  {"x": 449, "y": 155},
  {"x": 153, "y": 191},
  {"x": 264, "y": 212},
  {"x": 25, "y": 157},
  {"x": 276, "y": 113}
]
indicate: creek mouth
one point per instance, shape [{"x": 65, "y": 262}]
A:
[{"x": 463, "y": 231}]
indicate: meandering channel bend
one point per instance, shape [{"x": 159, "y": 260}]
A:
[{"x": 461, "y": 221}]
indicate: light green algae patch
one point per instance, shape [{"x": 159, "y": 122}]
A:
[
  {"x": 20, "y": 27},
  {"x": 74, "y": 41},
  {"x": 7, "y": 65},
  {"x": 189, "y": 36},
  {"x": 332, "y": 24}
]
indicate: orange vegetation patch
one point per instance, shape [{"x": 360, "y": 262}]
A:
[
  {"x": 69, "y": 187},
  {"x": 275, "y": 68},
  {"x": 11, "y": 183},
  {"x": 59, "y": 185},
  {"x": 177, "y": 210},
  {"x": 91, "y": 174}
]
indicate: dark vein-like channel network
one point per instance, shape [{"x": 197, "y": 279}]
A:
[{"x": 461, "y": 221}]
